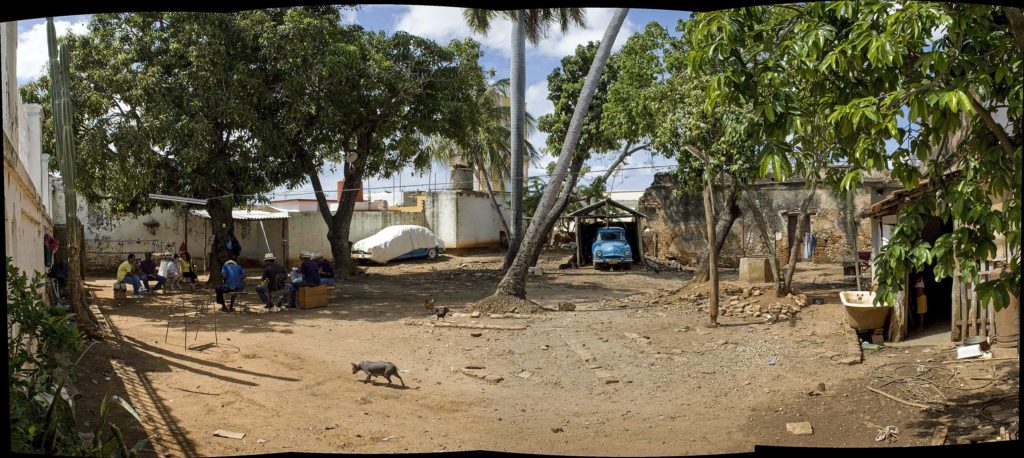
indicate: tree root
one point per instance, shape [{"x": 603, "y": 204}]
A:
[{"x": 504, "y": 303}]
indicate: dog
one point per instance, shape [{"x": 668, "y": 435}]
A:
[{"x": 377, "y": 369}]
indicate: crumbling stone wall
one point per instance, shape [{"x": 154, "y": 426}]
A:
[{"x": 678, "y": 219}]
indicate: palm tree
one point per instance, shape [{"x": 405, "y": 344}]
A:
[
  {"x": 489, "y": 152},
  {"x": 532, "y": 25},
  {"x": 511, "y": 292}
]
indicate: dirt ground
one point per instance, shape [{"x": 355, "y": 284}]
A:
[{"x": 572, "y": 382}]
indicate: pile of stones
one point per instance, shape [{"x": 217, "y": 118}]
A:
[{"x": 747, "y": 303}]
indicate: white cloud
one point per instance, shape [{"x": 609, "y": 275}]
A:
[
  {"x": 558, "y": 44},
  {"x": 446, "y": 23},
  {"x": 33, "y": 53}
]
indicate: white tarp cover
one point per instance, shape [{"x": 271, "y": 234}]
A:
[{"x": 394, "y": 241}]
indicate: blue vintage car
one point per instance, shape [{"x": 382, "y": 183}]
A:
[{"x": 611, "y": 249}]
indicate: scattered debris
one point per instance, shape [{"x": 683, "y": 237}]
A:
[
  {"x": 261, "y": 441},
  {"x": 577, "y": 347},
  {"x": 387, "y": 438},
  {"x": 474, "y": 315},
  {"x": 483, "y": 376},
  {"x": 476, "y": 334},
  {"x": 869, "y": 346},
  {"x": 566, "y": 306},
  {"x": 228, "y": 434},
  {"x": 524, "y": 375},
  {"x": 889, "y": 433},
  {"x": 557, "y": 430},
  {"x": 802, "y": 428}
]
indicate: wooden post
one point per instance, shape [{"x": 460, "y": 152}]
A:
[
  {"x": 579, "y": 246},
  {"x": 284, "y": 243},
  {"x": 972, "y": 312},
  {"x": 955, "y": 314}
]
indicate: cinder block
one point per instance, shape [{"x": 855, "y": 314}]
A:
[{"x": 755, "y": 270}]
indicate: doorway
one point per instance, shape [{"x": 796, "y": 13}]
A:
[
  {"x": 791, "y": 223},
  {"x": 939, "y": 293}
]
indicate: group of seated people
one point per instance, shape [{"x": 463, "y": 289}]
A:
[
  {"x": 313, "y": 270},
  {"x": 140, "y": 273}
]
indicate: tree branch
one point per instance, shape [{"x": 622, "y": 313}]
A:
[{"x": 986, "y": 117}]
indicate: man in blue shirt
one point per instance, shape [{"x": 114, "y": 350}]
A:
[
  {"x": 234, "y": 280},
  {"x": 310, "y": 277}
]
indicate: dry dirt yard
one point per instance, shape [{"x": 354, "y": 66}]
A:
[{"x": 630, "y": 372}]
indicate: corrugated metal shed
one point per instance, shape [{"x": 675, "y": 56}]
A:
[{"x": 251, "y": 215}]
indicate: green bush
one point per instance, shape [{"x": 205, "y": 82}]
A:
[{"x": 40, "y": 343}]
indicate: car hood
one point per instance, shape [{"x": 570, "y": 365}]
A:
[{"x": 611, "y": 247}]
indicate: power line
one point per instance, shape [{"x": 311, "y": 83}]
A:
[{"x": 434, "y": 185}]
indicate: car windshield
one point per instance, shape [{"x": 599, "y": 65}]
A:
[{"x": 609, "y": 236}]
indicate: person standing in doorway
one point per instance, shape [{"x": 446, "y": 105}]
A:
[{"x": 921, "y": 300}]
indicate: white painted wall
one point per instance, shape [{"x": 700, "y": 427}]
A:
[
  {"x": 464, "y": 219},
  {"x": 25, "y": 218}
]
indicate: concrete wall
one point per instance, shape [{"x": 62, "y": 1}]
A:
[
  {"x": 464, "y": 219},
  {"x": 26, "y": 219},
  {"x": 307, "y": 231},
  {"x": 679, "y": 222}
]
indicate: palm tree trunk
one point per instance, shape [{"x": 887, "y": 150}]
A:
[
  {"x": 514, "y": 283},
  {"x": 517, "y": 82},
  {"x": 563, "y": 201}
]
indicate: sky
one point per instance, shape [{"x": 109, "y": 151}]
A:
[{"x": 440, "y": 24}]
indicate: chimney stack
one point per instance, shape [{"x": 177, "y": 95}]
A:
[{"x": 341, "y": 186}]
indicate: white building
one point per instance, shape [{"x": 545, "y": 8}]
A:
[{"x": 26, "y": 174}]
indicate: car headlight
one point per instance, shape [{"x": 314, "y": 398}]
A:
[
  {"x": 628, "y": 253},
  {"x": 599, "y": 253}
]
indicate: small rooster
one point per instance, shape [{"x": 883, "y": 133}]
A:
[
  {"x": 441, "y": 312},
  {"x": 437, "y": 311}
]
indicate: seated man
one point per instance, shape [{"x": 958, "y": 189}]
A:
[
  {"x": 310, "y": 277},
  {"x": 326, "y": 270},
  {"x": 234, "y": 280},
  {"x": 272, "y": 274},
  {"x": 125, "y": 275},
  {"x": 148, "y": 269}
]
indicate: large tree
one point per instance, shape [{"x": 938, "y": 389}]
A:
[
  {"x": 174, "y": 103},
  {"x": 386, "y": 97},
  {"x": 511, "y": 291},
  {"x": 527, "y": 25},
  {"x": 931, "y": 78}
]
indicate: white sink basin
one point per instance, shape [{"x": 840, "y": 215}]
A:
[{"x": 857, "y": 298}]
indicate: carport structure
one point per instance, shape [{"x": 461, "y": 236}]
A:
[{"x": 606, "y": 213}]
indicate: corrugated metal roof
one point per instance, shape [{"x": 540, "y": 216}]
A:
[{"x": 252, "y": 215}]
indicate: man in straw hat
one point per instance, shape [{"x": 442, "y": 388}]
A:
[{"x": 272, "y": 280}]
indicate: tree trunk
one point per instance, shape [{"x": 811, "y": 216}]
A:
[
  {"x": 341, "y": 224},
  {"x": 494, "y": 202},
  {"x": 794, "y": 251},
  {"x": 551, "y": 219},
  {"x": 517, "y": 77},
  {"x": 726, "y": 218},
  {"x": 766, "y": 236},
  {"x": 709, "y": 217},
  {"x": 514, "y": 282},
  {"x": 1016, "y": 19},
  {"x": 221, "y": 223}
]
